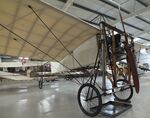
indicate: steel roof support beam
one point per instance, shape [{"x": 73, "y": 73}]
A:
[
  {"x": 128, "y": 24},
  {"x": 145, "y": 31},
  {"x": 130, "y": 14},
  {"x": 136, "y": 13},
  {"x": 91, "y": 22},
  {"x": 67, "y": 5},
  {"x": 144, "y": 38},
  {"x": 115, "y": 6},
  {"x": 142, "y": 3},
  {"x": 142, "y": 19},
  {"x": 93, "y": 11},
  {"x": 135, "y": 27},
  {"x": 90, "y": 10}
]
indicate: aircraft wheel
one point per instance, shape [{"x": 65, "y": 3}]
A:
[
  {"x": 41, "y": 83},
  {"x": 124, "y": 91},
  {"x": 89, "y": 99}
]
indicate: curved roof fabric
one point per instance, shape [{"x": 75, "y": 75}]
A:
[{"x": 17, "y": 16}]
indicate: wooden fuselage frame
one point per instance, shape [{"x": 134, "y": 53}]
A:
[{"x": 130, "y": 57}]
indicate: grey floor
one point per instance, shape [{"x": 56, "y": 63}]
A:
[{"x": 59, "y": 100}]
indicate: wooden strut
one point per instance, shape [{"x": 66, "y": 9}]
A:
[
  {"x": 132, "y": 69},
  {"x": 131, "y": 63},
  {"x": 114, "y": 58},
  {"x": 113, "y": 61}
]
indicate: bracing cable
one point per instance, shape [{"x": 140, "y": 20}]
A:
[
  {"x": 36, "y": 47},
  {"x": 54, "y": 35}
]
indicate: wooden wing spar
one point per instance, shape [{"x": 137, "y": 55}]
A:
[{"x": 18, "y": 17}]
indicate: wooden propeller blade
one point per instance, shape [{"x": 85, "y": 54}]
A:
[{"x": 134, "y": 72}]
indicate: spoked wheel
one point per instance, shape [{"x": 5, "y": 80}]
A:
[
  {"x": 124, "y": 91},
  {"x": 89, "y": 99},
  {"x": 41, "y": 83}
]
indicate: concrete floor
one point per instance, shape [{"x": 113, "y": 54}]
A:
[{"x": 59, "y": 100}]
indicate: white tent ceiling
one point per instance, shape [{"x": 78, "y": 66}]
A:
[{"x": 18, "y": 17}]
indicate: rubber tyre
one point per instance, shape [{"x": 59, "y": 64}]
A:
[
  {"x": 40, "y": 83},
  {"x": 98, "y": 96},
  {"x": 130, "y": 89}
]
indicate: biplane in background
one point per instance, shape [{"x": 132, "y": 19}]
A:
[{"x": 18, "y": 70}]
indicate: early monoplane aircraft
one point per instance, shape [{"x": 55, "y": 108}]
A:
[{"x": 36, "y": 30}]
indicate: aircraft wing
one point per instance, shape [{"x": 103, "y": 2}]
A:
[
  {"x": 13, "y": 76},
  {"x": 18, "y": 17},
  {"x": 19, "y": 64}
]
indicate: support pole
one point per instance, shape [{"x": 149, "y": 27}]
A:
[{"x": 101, "y": 39}]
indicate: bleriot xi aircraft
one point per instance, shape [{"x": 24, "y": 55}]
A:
[{"x": 31, "y": 28}]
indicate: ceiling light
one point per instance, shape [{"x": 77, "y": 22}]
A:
[
  {"x": 143, "y": 51},
  {"x": 136, "y": 39}
]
